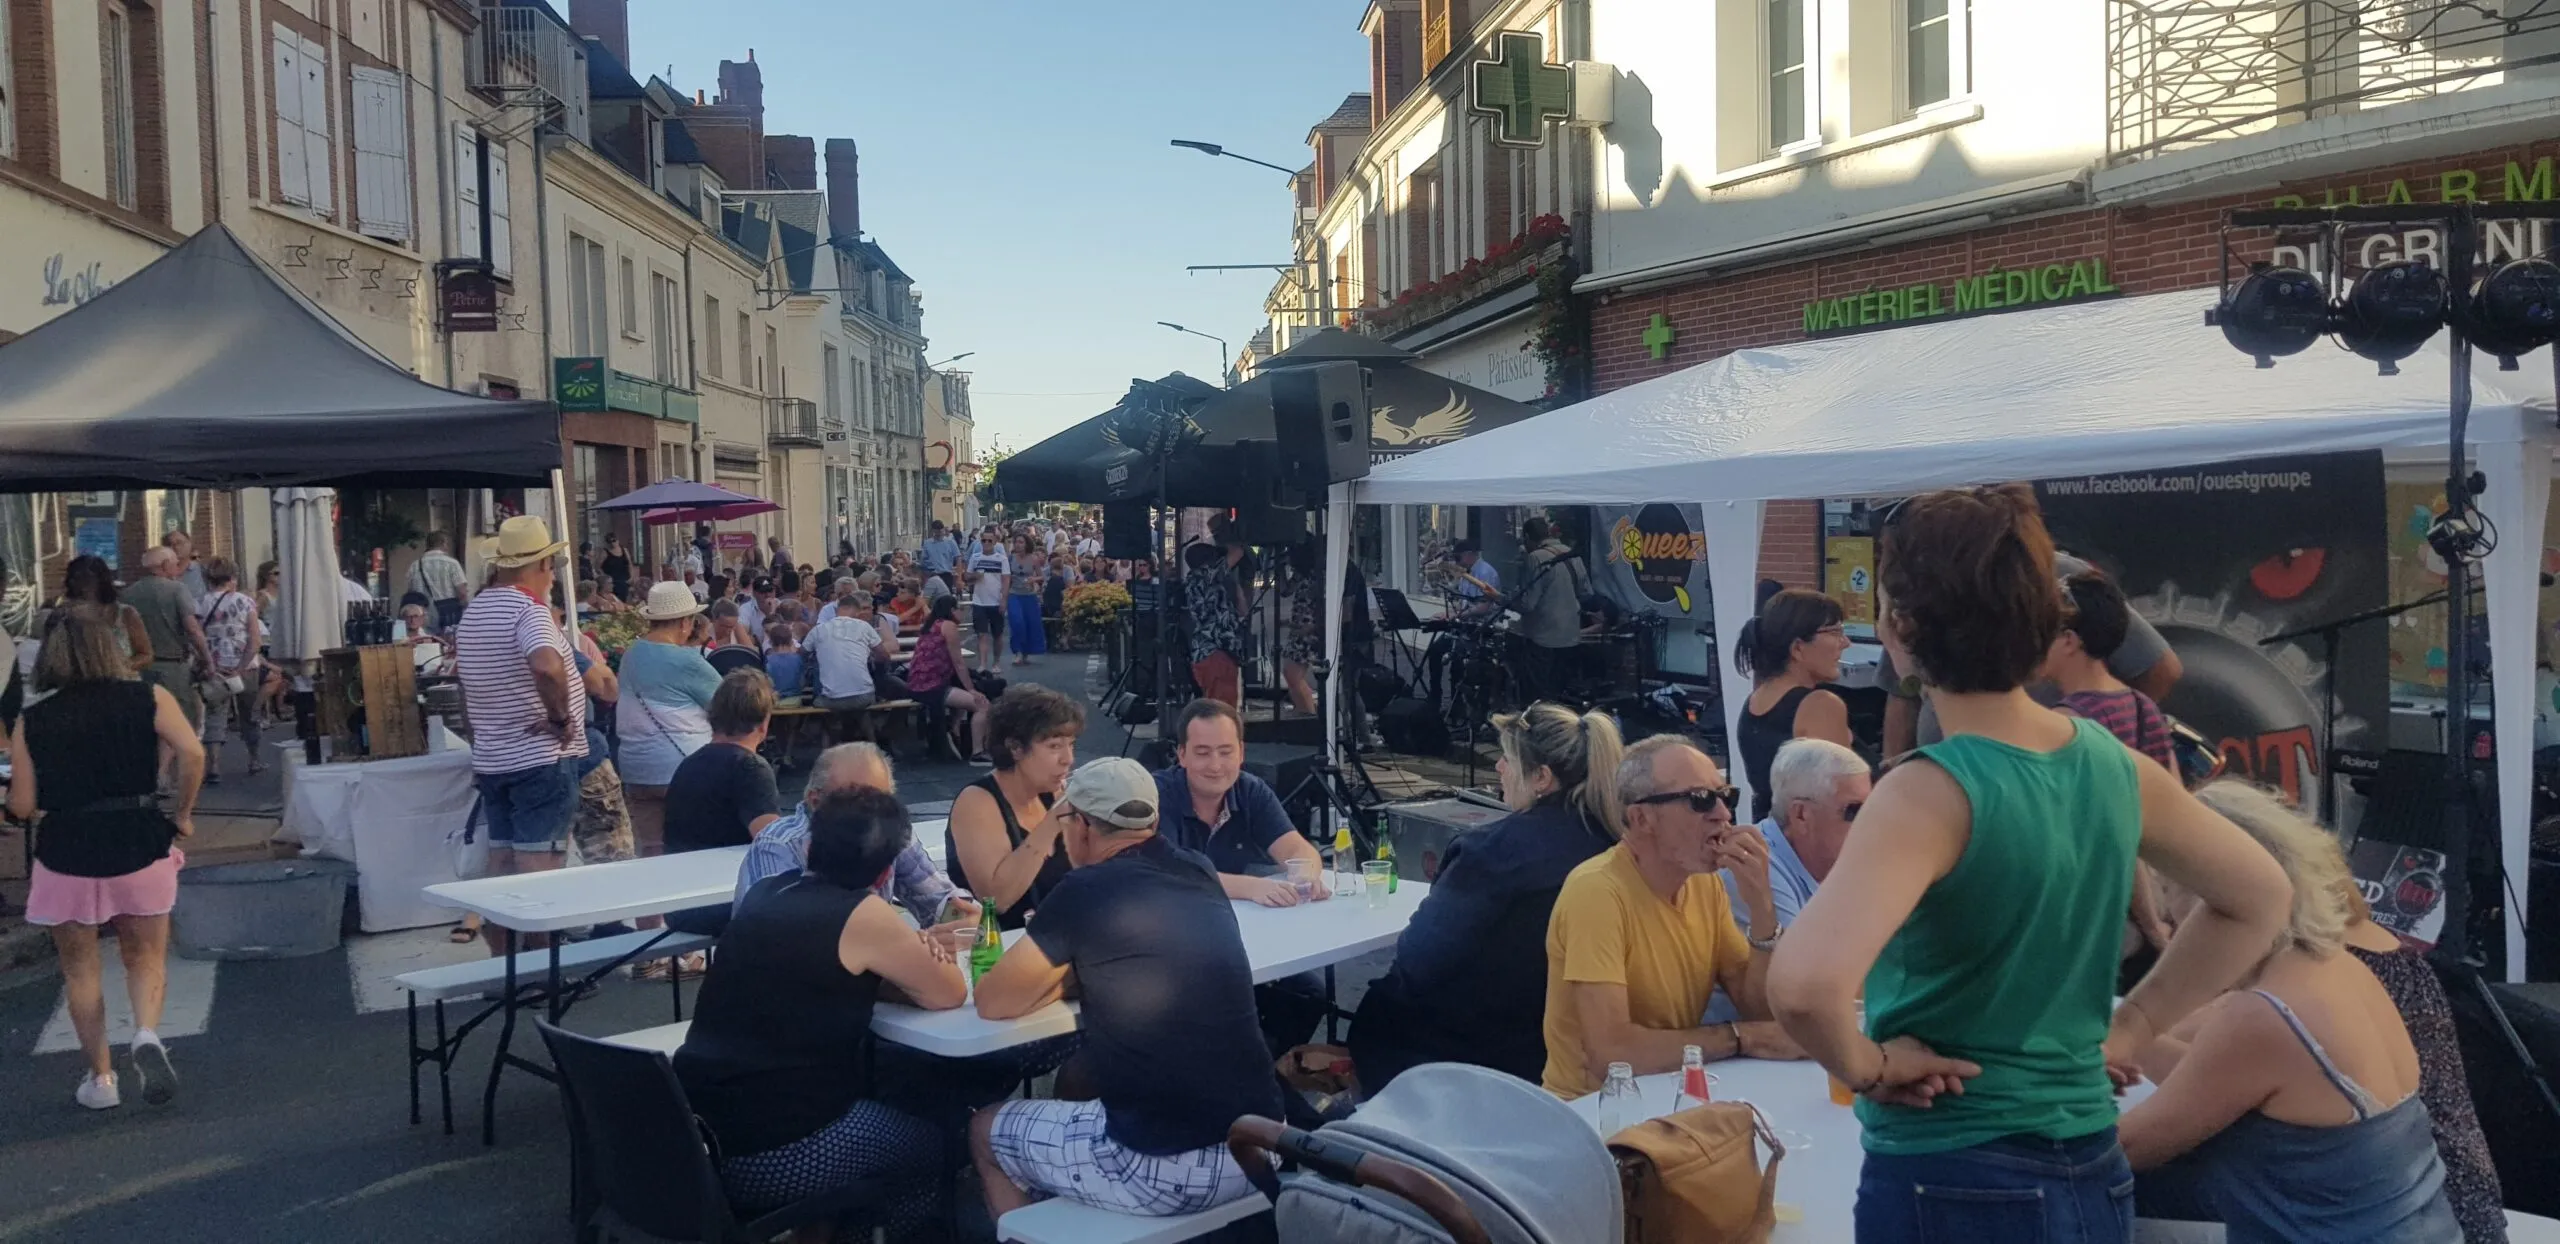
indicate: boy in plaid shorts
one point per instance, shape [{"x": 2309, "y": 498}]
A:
[{"x": 1171, "y": 1039}]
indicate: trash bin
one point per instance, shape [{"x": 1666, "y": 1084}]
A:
[{"x": 264, "y": 909}]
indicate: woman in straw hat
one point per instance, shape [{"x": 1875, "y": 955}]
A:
[{"x": 665, "y": 711}]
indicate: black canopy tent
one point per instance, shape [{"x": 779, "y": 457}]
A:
[
  {"x": 205, "y": 370},
  {"x": 1410, "y": 409}
]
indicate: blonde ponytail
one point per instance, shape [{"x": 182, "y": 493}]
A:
[{"x": 1581, "y": 750}]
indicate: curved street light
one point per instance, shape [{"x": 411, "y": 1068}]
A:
[
  {"x": 1222, "y": 345},
  {"x": 1213, "y": 149}
]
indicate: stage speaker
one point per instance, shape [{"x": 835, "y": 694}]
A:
[
  {"x": 1321, "y": 415},
  {"x": 1127, "y": 532},
  {"x": 1414, "y": 728},
  {"x": 1268, "y": 511}
]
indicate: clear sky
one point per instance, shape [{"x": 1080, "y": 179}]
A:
[{"x": 1015, "y": 162}]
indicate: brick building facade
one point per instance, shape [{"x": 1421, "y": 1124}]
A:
[{"x": 2147, "y": 248}]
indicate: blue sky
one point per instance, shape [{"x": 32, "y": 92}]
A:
[{"x": 1015, "y": 161}]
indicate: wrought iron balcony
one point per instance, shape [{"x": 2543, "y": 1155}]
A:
[
  {"x": 791, "y": 421},
  {"x": 2183, "y": 73},
  {"x": 521, "y": 54}
]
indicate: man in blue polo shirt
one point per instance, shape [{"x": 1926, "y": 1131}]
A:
[{"x": 1213, "y": 808}]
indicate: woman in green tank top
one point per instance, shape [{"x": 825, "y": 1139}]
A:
[{"x": 1977, "y": 903}]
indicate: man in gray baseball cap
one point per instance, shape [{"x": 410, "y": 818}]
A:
[{"x": 1171, "y": 1041}]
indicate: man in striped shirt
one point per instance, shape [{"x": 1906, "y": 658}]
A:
[{"x": 527, "y": 706}]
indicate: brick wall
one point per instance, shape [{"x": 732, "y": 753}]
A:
[
  {"x": 150, "y": 111},
  {"x": 31, "y": 69},
  {"x": 2148, "y": 248}
]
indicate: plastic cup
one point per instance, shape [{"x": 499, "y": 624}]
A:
[
  {"x": 1373, "y": 880},
  {"x": 1302, "y": 876}
]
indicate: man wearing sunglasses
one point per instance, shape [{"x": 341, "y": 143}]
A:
[
  {"x": 1645, "y": 932},
  {"x": 1816, "y": 788}
]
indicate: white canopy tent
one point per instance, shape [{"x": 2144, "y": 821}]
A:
[{"x": 2097, "y": 388}]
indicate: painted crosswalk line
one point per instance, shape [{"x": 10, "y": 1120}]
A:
[{"x": 183, "y": 1013}]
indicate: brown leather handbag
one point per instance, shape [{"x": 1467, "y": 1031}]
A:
[{"x": 1695, "y": 1177}]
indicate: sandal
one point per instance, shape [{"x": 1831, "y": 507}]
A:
[{"x": 461, "y": 935}]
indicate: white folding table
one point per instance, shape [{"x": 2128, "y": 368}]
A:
[
  {"x": 1278, "y": 942},
  {"x": 571, "y": 898}
]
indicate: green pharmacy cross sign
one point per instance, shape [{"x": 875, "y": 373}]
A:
[
  {"x": 1522, "y": 90},
  {"x": 1659, "y": 335}
]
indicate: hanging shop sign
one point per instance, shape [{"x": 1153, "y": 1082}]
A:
[
  {"x": 470, "y": 296},
  {"x": 1520, "y": 90},
  {"x": 1992, "y": 289},
  {"x": 578, "y": 384},
  {"x": 733, "y": 541}
]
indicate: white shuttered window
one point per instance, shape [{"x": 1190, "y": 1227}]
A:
[
  {"x": 468, "y": 241},
  {"x": 306, "y": 161},
  {"x": 381, "y": 108},
  {"x": 480, "y": 200}
]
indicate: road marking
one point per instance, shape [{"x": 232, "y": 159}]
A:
[
  {"x": 375, "y": 958},
  {"x": 53, "y": 1215},
  {"x": 187, "y": 1005},
  {"x": 395, "y": 1182}
]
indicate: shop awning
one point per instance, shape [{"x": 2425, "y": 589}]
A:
[{"x": 206, "y": 370}]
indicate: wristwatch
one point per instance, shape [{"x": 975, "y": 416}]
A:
[{"x": 1769, "y": 946}]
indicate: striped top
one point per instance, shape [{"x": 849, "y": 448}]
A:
[
  {"x": 2130, "y": 716},
  {"x": 510, "y": 730}
]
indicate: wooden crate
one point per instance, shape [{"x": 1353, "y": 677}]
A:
[{"x": 382, "y": 680}]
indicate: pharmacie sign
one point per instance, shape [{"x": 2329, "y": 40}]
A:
[
  {"x": 1992, "y": 289},
  {"x": 2499, "y": 241}
]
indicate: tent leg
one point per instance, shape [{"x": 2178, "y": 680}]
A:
[{"x": 568, "y": 579}]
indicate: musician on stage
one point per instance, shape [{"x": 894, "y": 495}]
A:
[{"x": 1479, "y": 581}]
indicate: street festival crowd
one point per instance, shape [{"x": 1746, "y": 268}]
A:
[{"x": 2024, "y": 914}]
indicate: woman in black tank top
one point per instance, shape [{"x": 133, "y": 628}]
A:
[
  {"x": 990, "y": 851},
  {"x": 773, "y": 1063},
  {"x": 1790, "y": 651}
]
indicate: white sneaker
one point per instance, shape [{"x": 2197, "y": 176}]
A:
[
  {"x": 98, "y": 1093},
  {"x": 151, "y": 1070}
]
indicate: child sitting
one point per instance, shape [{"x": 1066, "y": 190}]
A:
[{"x": 785, "y": 663}]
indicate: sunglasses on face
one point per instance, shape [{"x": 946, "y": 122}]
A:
[{"x": 1703, "y": 800}]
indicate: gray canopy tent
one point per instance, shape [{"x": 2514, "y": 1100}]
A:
[{"x": 205, "y": 370}]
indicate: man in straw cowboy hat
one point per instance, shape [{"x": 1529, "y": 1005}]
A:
[{"x": 527, "y": 705}]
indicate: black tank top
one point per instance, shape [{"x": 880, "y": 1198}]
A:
[
  {"x": 1052, "y": 871},
  {"x": 97, "y": 760},
  {"x": 1760, "y": 737},
  {"x": 775, "y": 1051}
]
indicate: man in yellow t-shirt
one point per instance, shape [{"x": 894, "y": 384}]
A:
[{"x": 1643, "y": 932}]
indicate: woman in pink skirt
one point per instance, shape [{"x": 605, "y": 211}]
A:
[{"x": 87, "y": 754}]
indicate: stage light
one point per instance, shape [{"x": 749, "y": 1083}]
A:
[
  {"x": 2394, "y": 309},
  {"x": 2514, "y": 310},
  {"x": 2274, "y": 312}
]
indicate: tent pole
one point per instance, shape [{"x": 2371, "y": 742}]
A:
[{"x": 568, "y": 580}]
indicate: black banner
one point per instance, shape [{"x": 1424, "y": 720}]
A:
[{"x": 2221, "y": 557}]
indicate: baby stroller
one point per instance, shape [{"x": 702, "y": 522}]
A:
[{"x": 1447, "y": 1154}]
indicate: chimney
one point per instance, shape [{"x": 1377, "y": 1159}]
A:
[
  {"x": 607, "y": 22},
  {"x": 792, "y": 160},
  {"x": 844, "y": 189},
  {"x": 730, "y": 131}
]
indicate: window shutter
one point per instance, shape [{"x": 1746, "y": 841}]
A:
[
  {"x": 8, "y": 109},
  {"x": 382, "y": 155},
  {"x": 501, "y": 245},
  {"x": 318, "y": 150},
  {"x": 466, "y": 193},
  {"x": 293, "y": 172}
]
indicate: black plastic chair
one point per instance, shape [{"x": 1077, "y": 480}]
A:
[{"x": 639, "y": 1162}]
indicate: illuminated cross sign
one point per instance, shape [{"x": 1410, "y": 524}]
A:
[{"x": 1522, "y": 90}]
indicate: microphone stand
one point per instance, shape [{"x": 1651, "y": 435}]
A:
[{"x": 2329, "y": 633}]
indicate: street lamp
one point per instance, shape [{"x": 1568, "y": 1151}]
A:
[
  {"x": 1213, "y": 149},
  {"x": 949, "y": 361},
  {"x": 1222, "y": 344}
]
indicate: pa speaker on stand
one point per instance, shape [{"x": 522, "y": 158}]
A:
[
  {"x": 1320, "y": 415},
  {"x": 1128, "y": 531}
]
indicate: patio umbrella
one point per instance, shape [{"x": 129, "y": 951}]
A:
[
  {"x": 311, "y": 611},
  {"x": 682, "y": 494},
  {"x": 707, "y": 513}
]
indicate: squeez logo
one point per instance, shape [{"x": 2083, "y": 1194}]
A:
[{"x": 1657, "y": 546}]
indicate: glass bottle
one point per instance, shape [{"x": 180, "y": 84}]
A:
[
  {"x": 1694, "y": 1089},
  {"x": 990, "y": 947},
  {"x": 1346, "y": 863},
  {"x": 1387, "y": 852},
  {"x": 1619, "y": 1109}
]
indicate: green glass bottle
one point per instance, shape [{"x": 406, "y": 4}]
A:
[{"x": 990, "y": 947}]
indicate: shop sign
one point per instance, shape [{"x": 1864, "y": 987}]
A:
[
  {"x": 578, "y": 383},
  {"x": 2514, "y": 182},
  {"x": 1993, "y": 289},
  {"x": 470, "y": 296},
  {"x": 74, "y": 288},
  {"x": 733, "y": 541},
  {"x": 1656, "y": 545}
]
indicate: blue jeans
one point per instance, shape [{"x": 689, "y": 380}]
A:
[{"x": 2014, "y": 1190}]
